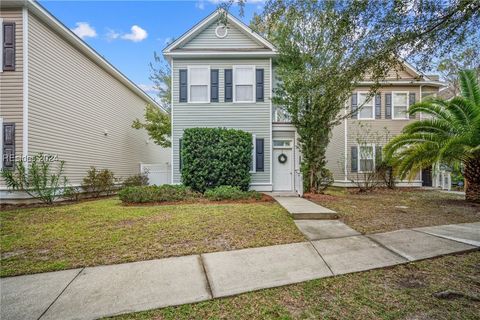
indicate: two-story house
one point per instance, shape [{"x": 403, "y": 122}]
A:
[{"x": 223, "y": 77}]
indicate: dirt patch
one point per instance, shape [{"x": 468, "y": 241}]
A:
[
  {"x": 319, "y": 197},
  {"x": 265, "y": 198}
]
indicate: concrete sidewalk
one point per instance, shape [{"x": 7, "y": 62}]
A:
[
  {"x": 301, "y": 208},
  {"x": 95, "y": 292}
]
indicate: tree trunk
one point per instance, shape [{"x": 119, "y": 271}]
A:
[{"x": 472, "y": 177}]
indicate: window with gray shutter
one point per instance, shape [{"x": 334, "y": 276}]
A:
[
  {"x": 354, "y": 105},
  {"x": 354, "y": 157},
  {"x": 259, "y": 86},
  {"x": 378, "y": 106},
  {"x": 388, "y": 105},
  {"x": 259, "y": 155},
  {"x": 214, "y": 85},
  {"x": 180, "y": 162},
  {"x": 411, "y": 101},
  {"x": 183, "y": 85},
  {"x": 228, "y": 85},
  {"x": 8, "y": 46},
  {"x": 8, "y": 152}
]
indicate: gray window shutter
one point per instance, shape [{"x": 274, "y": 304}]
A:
[
  {"x": 260, "y": 155},
  {"x": 180, "y": 162},
  {"x": 214, "y": 85},
  {"x": 183, "y": 85},
  {"x": 8, "y": 46},
  {"x": 388, "y": 106},
  {"x": 354, "y": 152},
  {"x": 378, "y": 155},
  {"x": 259, "y": 75},
  {"x": 378, "y": 106},
  {"x": 8, "y": 152},
  {"x": 354, "y": 105},
  {"x": 228, "y": 85},
  {"x": 411, "y": 101}
]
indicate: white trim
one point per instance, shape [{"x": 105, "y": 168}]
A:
[
  {"x": 234, "y": 83},
  {"x": 405, "y": 82},
  {"x": 261, "y": 187},
  {"x": 254, "y": 154},
  {"x": 359, "y": 157},
  {"x": 45, "y": 16},
  {"x": 345, "y": 160},
  {"x": 283, "y": 147},
  {"x": 372, "y": 100},
  {"x": 171, "y": 119},
  {"x": 219, "y": 54},
  {"x": 25, "y": 82},
  {"x": 189, "y": 83},
  {"x": 217, "y": 31},
  {"x": 271, "y": 124},
  {"x": 206, "y": 21},
  {"x": 400, "y": 184},
  {"x": 393, "y": 105},
  {"x": 1, "y": 43},
  {"x": 1, "y": 143}
]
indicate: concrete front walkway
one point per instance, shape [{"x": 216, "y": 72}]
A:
[
  {"x": 301, "y": 208},
  {"x": 95, "y": 292}
]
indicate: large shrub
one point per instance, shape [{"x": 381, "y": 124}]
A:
[
  {"x": 161, "y": 193},
  {"x": 212, "y": 157},
  {"x": 230, "y": 193},
  {"x": 40, "y": 178},
  {"x": 136, "y": 180},
  {"x": 98, "y": 182}
]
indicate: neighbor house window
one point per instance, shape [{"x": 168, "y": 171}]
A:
[
  {"x": 366, "y": 105},
  {"x": 199, "y": 86},
  {"x": 400, "y": 105},
  {"x": 244, "y": 83},
  {"x": 366, "y": 158}
]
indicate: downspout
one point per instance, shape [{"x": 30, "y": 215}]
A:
[{"x": 25, "y": 83}]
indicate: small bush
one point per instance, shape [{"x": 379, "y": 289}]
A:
[
  {"x": 161, "y": 193},
  {"x": 98, "y": 182},
  {"x": 213, "y": 157},
  {"x": 230, "y": 193},
  {"x": 72, "y": 193},
  {"x": 136, "y": 181}
]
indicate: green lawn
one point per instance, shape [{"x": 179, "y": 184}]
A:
[
  {"x": 386, "y": 210},
  {"x": 401, "y": 292},
  {"x": 106, "y": 232}
]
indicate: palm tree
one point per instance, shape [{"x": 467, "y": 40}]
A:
[{"x": 451, "y": 136}]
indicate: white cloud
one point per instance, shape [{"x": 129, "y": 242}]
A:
[
  {"x": 112, "y": 35},
  {"x": 84, "y": 30},
  {"x": 200, "y": 4},
  {"x": 136, "y": 34}
]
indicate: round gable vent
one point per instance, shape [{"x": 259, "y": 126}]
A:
[{"x": 221, "y": 31}]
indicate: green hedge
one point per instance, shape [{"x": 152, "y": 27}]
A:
[
  {"x": 212, "y": 157},
  {"x": 163, "y": 193},
  {"x": 230, "y": 193}
]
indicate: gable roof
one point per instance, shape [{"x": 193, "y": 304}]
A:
[
  {"x": 265, "y": 47},
  {"x": 40, "y": 12}
]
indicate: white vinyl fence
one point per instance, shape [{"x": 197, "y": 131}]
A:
[{"x": 157, "y": 173}]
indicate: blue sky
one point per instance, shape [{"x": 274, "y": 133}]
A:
[{"x": 127, "y": 33}]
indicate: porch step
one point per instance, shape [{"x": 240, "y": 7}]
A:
[{"x": 302, "y": 209}]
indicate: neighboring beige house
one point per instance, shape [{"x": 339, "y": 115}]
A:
[
  {"x": 356, "y": 143},
  {"x": 60, "y": 97}
]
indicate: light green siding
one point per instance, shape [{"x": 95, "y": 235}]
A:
[
  {"x": 235, "y": 38},
  {"x": 251, "y": 117}
]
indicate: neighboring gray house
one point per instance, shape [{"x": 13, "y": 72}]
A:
[
  {"x": 58, "y": 96},
  {"x": 222, "y": 77}
]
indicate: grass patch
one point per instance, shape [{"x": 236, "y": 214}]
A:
[
  {"x": 400, "y": 292},
  {"x": 387, "y": 210},
  {"x": 105, "y": 232}
]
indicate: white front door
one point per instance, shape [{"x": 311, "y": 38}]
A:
[{"x": 282, "y": 169}]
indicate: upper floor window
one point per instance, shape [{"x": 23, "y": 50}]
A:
[
  {"x": 366, "y": 105},
  {"x": 199, "y": 86},
  {"x": 400, "y": 105},
  {"x": 244, "y": 83}
]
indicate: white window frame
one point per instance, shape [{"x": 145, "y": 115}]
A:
[
  {"x": 189, "y": 83},
  {"x": 372, "y": 100},
  {"x": 290, "y": 146},
  {"x": 254, "y": 154},
  {"x": 235, "y": 83},
  {"x": 359, "y": 158},
  {"x": 393, "y": 105}
]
